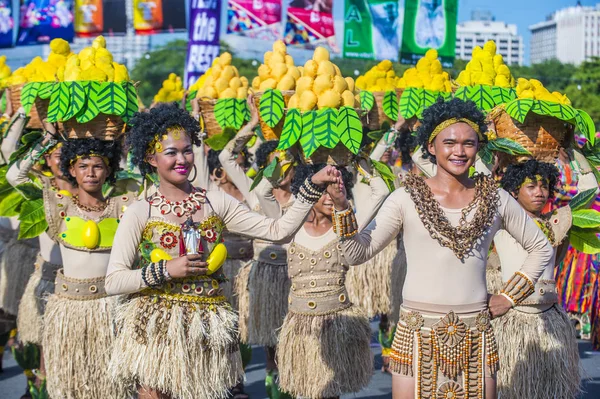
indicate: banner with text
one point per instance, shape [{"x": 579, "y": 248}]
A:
[
  {"x": 7, "y": 23},
  {"x": 371, "y": 29},
  {"x": 429, "y": 24},
  {"x": 259, "y": 19},
  {"x": 41, "y": 21},
  {"x": 98, "y": 17},
  {"x": 309, "y": 23},
  {"x": 203, "y": 44}
]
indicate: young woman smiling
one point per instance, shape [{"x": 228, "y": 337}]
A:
[
  {"x": 178, "y": 336},
  {"x": 444, "y": 344}
]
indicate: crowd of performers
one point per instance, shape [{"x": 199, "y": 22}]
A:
[{"x": 313, "y": 252}]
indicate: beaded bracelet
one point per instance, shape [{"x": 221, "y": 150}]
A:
[
  {"x": 518, "y": 288},
  {"x": 309, "y": 192},
  {"x": 344, "y": 223},
  {"x": 153, "y": 274}
]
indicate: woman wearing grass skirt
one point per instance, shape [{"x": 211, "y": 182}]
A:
[
  {"x": 177, "y": 333},
  {"x": 536, "y": 341}
]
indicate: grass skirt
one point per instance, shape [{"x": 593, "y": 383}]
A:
[
  {"x": 240, "y": 287},
  {"x": 29, "y": 319},
  {"x": 16, "y": 266},
  {"x": 231, "y": 268},
  {"x": 325, "y": 356},
  {"x": 538, "y": 354},
  {"x": 269, "y": 286},
  {"x": 77, "y": 340},
  {"x": 179, "y": 348},
  {"x": 368, "y": 285}
]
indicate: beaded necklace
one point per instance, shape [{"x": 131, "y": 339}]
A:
[{"x": 185, "y": 207}]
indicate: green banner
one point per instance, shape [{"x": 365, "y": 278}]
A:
[
  {"x": 371, "y": 29},
  {"x": 429, "y": 24}
]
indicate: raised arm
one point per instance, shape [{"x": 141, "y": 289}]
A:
[
  {"x": 268, "y": 204},
  {"x": 13, "y": 135},
  {"x": 367, "y": 204},
  {"x": 19, "y": 171}
]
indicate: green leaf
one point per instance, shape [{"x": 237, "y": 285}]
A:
[
  {"x": 219, "y": 141},
  {"x": 508, "y": 146},
  {"x": 385, "y": 172},
  {"x": 325, "y": 127},
  {"x": 486, "y": 154},
  {"x": 350, "y": 129},
  {"x": 45, "y": 90},
  {"x": 223, "y": 106},
  {"x": 562, "y": 111},
  {"x": 446, "y": 95},
  {"x": 390, "y": 105},
  {"x": 586, "y": 218},
  {"x": 519, "y": 108},
  {"x": 10, "y": 205},
  {"x": 59, "y": 102},
  {"x": 462, "y": 93},
  {"x": 586, "y": 126},
  {"x": 411, "y": 102},
  {"x": 78, "y": 98},
  {"x": 367, "y": 100},
  {"x": 582, "y": 199},
  {"x": 292, "y": 129},
  {"x": 112, "y": 99},
  {"x": 91, "y": 106},
  {"x": 429, "y": 98},
  {"x": 132, "y": 102},
  {"x": 32, "y": 218},
  {"x": 585, "y": 241},
  {"x": 28, "y": 95},
  {"x": 236, "y": 115},
  {"x": 188, "y": 100},
  {"x": 503, "y": 95},
  {"x": 482, "y": 96},
  {"x": 270, "y": 168},
  {"x": 308, "y": 140},
  {"x": 30, "y": 191},
  {"x": 257, "y": 179},
  {"x": 271, "y": 107},
  {"x": 244, "y": 109}
]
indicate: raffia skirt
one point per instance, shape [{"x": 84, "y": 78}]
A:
[
  {"x": 16, "y": 266},
  {"x": 539, "y": 355},
  {"x": 322, "y": 356},
  {"x": 240, "y": 287},
  {"x": 77, "y": 339},
  {"x": 369, "y": 285},
  {"x": 239, "y": 253},
  {"x": 268, "y": 287},
  {"x": 180, "y": 344}
]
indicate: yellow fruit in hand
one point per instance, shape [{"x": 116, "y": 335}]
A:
[
  {"x": 158, "y": 254},
  {"x": 322, "y": 83},
  {"x": 216, "y": 258},
  {"x": 90, "y": 234},
  {"x": 321, "y": 54},
  {"x": 308, "y": 100},
  {"x": 286, "y": 83},
  {"x": 310, "y": 69},
  {"x": 60, "y": 46}
]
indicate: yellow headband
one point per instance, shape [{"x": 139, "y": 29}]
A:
[
  {"x": 104, "y": 159},
  {"x": 156, "y": 146},
  {"x": 537, "y": 179},
  {"x": 452, "y": 121},
  {"x": 56, "y": 147}
]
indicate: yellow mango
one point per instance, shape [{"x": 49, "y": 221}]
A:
[
  {"x": 308, "y": 100},
  {"x": 242, "y": 92},
  {"x": 329, "y": 98},
  {"x": 337, "y": 70},
  {"x": 498, "y": 60},
  {"x": 350, "y": 83},
  {"x": 504, "y": 71},
  {"x": 121, "y": 73},
  {"x": 256, "y": 83},
  {"x": 310, "y": 69},
  {"x": 294, "y": 101},
  {"x": 228, "y": 93},
  {"x": 279, "y": 47},
  {"x": 57, "y": 60},
  {"x": 326, "y": 67},
  {"x": 275, "y": 59},
  {"x": 264, "y": 72},
  {"x": 268, "y": 84},
  {"x": 321, "y": 54},
  {"x": 216, "y": 258},
  {"x": 361, "y": 83},
  {"x": 60, "y": 46},
  {"x": 235, "y": 83},
  {"x": 339, "y": 84},
  {"x": 211, "y": 92},
  {"x": 221, "y": 84},
  {"x": 348, "y": 98},
  {"x": 436, "y": 67},
  {"x": 267, "y": 57},
  {"x": 303, "y": 84},
  {"x": 294, "y": 72},
  {"x": 289, "y": 60},
  {"x": 158, "y": 254},
  {"x": 225, "y": 59},
  {"x": 103, "y": 55},
  {"x": 86, "y": 64},
  {"x": 244, "y": 81},
  {"x": 99, "y": 42},
  {"x": 65, "y": 193},
  {"x": 431, "y": 54},
  {"x": 490, "y": 47},
  {"x": 286, "y": 83},
  {"x": 424, "y": 65},
  {"x": 322, "y": 83},
  {"x": 216, "y": 71},
  {"x": 90, "y": 234},
  {"x": 501, "y": 81},
  {"x": 385, "y": 65},
  {"x": 228, "y": 73},
  {"x": 527, "y": 94},
  {"x": 87, "y": 53},
  {"x": 279, "y": 70}
]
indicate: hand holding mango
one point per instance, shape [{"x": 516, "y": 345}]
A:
[{"x": 186, "y": 266}]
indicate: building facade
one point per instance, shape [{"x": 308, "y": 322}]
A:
[{"x": 476, "y": 32}]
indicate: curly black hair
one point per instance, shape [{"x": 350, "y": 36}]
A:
[
  {"x": 214, "y": 162},
  {"x": 71, "y": 149},
  {"x": 405, "y": 143},
  {"x": 146, "y": 125},
  {"x": 303, "y": 171},
  {"x": 515, "y": 175},
  {"x": 264, "y": 150},
  {"x": 441, "y": 111}
]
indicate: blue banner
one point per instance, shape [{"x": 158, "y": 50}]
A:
[
  {"x": 7, "y": 23},
  {"x": 203, "y": 44},
  {"x": 41, "y": 21}
]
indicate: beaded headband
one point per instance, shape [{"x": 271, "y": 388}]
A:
[
  {"x": 92, "y": 154},
  {"x": 56, "y": 147},
  {"x": 452, "y": 121},
  {"x": 155, "y": 145},
  {"x": 538, "y": 178}
]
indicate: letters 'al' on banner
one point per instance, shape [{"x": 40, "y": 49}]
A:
[
  {"x": 40, "y": 22},
  {"x": 429, "y": 24},
  {"x": 371, "y": 29},
  {"x": 259, "y": 19},
  {"x": 309, "y": 23},
  {"x": 7, "y": 23},
  {"x": 203, "y": 44}
]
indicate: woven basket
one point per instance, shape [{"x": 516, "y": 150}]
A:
[
  {"x": 37, "y": 113},
  {"x": 207, "y": 113},
  {"x": 541, "y": 135},
  {"x": 102, "y": 127},
  {"x": 272, "y": 133}
]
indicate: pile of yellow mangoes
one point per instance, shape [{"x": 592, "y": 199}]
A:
[
  {"x": 322, "y": 85},
  {"x": 39, "y": 70},
  {"x": 278, "y": 70},
  {"x": 427, "y": 74},
  {"x": 93, "y": 63},
  {"x": 535, "y": 90},
  {"x": 486, "y": 68},
  {"x": 171, "y": 90},
  {"x": 4, "y": 71},
  {"x": 381, "y": 77},
  {"x": 221, "y": 80}
]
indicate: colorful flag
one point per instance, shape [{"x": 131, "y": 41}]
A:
[
  {"x": 429, "y": 24},
  {"x": 309, "y": 22},
  {"x": 89, "y": 17},
  {"x": 260, "y": 19},
  {"x": 147, "y": 16},
  {"x": 203, "y": 44},
  {"x": 42, "y": 20},
  {"x": 7, "y": 24},
  {"x": 371, "y": 29}
]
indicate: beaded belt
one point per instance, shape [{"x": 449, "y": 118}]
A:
[
  {"x": 79, "y": 289},
  {"x": 239, "y": 249},
  {"x": 49, "y": 270},
  {"x": 270, "y": 253},
  {"x": 544, "y": 294},
  {"x": 319, "y": 303},
  {"x": 200, "y": 289}
]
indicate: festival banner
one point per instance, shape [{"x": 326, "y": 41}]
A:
[
  {"x": 147, "y": 16},
  {"x": 429, "y": 24},
  {"x": 89, "y": 17},
  {"x": 259, "y": 19},
  {"x": 203, "y": 44},
  {"x": 41, "y": 21},
  {"x": 7, "y": 24},
  {"x": 371, "y": 29},
  {"x": 309, "y": 22}
]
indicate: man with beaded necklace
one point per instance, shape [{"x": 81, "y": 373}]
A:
[{"x": 444, "y": 345}]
